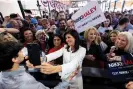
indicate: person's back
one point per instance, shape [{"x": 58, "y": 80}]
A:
[
  {"x": 12, "y": 76},
  {"x": 123, "y": 24},
  {"x": 19, "y": 80},
  {"x": 129, "y": 27}
]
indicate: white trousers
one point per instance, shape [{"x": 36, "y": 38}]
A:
[{"x": 77, "y": 82}]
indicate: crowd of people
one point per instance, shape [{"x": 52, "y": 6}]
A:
[{"x": 65, "y": 50}]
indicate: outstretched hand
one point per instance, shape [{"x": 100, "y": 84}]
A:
[
  {"x": 47, "y": 68},
  {"x": 129, "y": 85}
]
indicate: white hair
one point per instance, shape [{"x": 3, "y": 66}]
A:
[
  {"x": 39, "y": 32},
  {"x": 129, "y": 47}
]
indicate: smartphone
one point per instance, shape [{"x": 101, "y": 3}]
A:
[
  {"x": 34, "y": 53},
  {"x": 107, "y": 31}
]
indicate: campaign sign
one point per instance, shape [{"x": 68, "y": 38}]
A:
[
  {"x": 88, "y": 16},
  {"x": 121, "y": 71}
]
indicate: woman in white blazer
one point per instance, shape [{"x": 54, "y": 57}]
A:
[{"x": 73, "y": 55}]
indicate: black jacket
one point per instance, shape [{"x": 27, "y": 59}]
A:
[
  {"x": 123, "y": 54},
  {"x": 97, "y": 52},
  {"x": 110, "y": 44}
]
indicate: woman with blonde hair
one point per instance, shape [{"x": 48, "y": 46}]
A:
[
  {"x": 123, "y": 46},
  {"x": 5, "y": 36},
  {"x": 113, "y": 35},
  {"x": 111, "y": 41},
  {"x": 94, "y": 51},
  {"x": 122, "y": 51}
]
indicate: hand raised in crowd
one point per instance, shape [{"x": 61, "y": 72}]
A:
[
  {"x": 113, "y": 57},
  {"x": 51, "y": 29},
  {"x": 10, "y": 30},
  {"x": 129, "y": 85},
  {"x": 90, "y": 57},
  {"x": 110, "y": 56}
]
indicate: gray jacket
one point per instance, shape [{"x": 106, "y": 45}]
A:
[{"x": 19, "y": 80}]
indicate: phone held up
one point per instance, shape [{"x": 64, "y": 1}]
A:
[{"x": 34, "y": 53}]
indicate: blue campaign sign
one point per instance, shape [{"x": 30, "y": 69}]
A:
[{"x": 121, "y": 71}]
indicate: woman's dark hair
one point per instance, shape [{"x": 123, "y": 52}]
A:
[
  {"x": 108, "y": 25},
  {"x": 123, "y": 21},
  {"x": 110, "y": 18},
  {"x": 8, "y": 50},
  {"x": 75, "y": 34},
  {"x": 38, "y": 17},
  {"x": 13, "y": 15},
  {"x": 22, "y": 37},
  {"x": 62, "y": 20},
  {"x": 55, "y": 35},
  {"x": 58, "y": 35}
]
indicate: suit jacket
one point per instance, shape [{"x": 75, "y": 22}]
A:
[{"x": 71, "y": 61}]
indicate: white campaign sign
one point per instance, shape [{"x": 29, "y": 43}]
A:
[{"x": 88, "y": 16}]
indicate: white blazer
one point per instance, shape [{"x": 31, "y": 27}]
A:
[{"x": 71, "y": 61}]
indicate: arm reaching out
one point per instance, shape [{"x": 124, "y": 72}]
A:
[{"x": 10, "y": 30}]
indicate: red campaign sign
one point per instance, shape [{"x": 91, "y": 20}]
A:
[
  {"x": 121, "y": 71},
  {"x": 88, "y": 12},
  {"x": 88, "y": 16}
]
